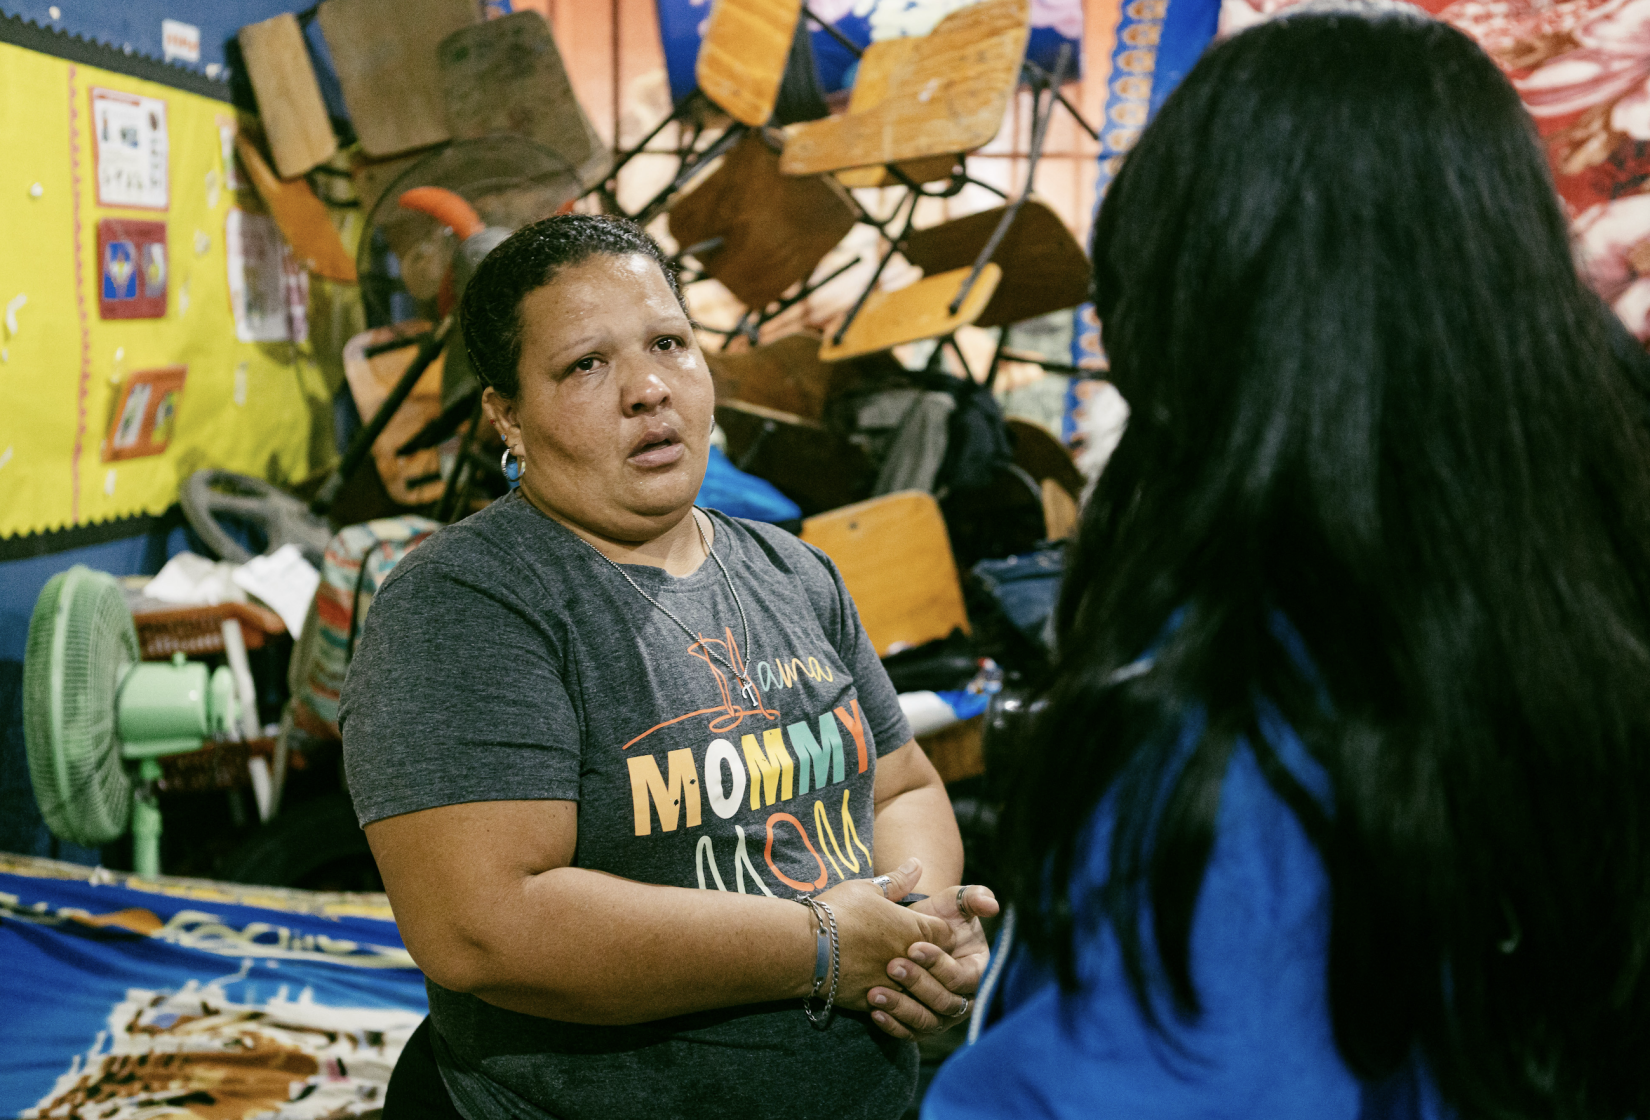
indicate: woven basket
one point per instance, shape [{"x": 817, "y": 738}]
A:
[
  {"x": 197, "y": 631},
  {"x": 215, "y": 766}
]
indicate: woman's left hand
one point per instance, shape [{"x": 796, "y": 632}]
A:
[{"x": 935, "y": 989}]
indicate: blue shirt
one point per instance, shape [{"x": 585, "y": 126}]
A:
[{"x": 1263, "y": 1045}]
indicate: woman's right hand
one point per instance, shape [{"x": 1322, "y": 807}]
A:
[{"x": 872, "y": 931}]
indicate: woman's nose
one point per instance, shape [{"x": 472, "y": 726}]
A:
[{"x": 645, "y": 392}]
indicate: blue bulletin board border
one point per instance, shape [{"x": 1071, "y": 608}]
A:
[{"x": 20, "y": 32}]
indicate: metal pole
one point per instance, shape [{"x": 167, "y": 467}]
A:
[
  {"x": 709, "y": 245},
  {"x": 893, "y": 247},
  {"x": 690, "y": 163},
  {"x": 969, "y": 180},
  {"x": 399, "y": 343},
  {"x": 852, "y": 47},
  {"x": 996, "y": 357},
  {"x": 361, "y": 445},
  {"x": 1042, "y": 74},
  {"x": 615, "y": 44},
  {"x": 968, "y": 374},
  {"x": 1050, "y": 366},
  {"x": 675, "y": 114},
  {"x": 1039, "y": 127},
  {"x": 458, "y": 486},
  {"x": 781, "y": 306}
]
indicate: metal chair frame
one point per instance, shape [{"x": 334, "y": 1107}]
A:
[{"x": 1042, "y": 112}]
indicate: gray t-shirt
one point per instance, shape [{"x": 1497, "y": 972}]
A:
[{"x": 504, "y": 659}]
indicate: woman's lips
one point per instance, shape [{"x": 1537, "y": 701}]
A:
[{"x": 659, "y": 452}]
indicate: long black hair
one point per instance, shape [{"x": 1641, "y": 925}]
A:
[{"x": 1370, "y": 396}]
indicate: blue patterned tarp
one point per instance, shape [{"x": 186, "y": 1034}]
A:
[{"x": 217, "y": 999}]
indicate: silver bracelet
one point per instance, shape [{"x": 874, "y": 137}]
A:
[
  {"x": 822, "y": 954},
  {"x": 826, "y": 930}
]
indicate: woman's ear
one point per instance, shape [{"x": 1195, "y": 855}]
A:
[{"x": 501, "y": 410}]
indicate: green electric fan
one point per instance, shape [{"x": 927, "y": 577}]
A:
[{"x": 97, "y": 719}]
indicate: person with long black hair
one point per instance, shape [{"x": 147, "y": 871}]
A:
[{"x": 1339, "y": 803}]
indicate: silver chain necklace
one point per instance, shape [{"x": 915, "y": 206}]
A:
[{"x": 741, "y": 675}]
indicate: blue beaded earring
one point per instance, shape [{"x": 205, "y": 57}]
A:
[{"x": 512, "y": 465}]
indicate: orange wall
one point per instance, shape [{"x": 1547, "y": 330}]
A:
[{"x": 587, "y": 33}]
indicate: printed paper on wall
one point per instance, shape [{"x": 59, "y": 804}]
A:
[
  {"x": 263, "y": 283},
  {"x": 131, "y": 150}
]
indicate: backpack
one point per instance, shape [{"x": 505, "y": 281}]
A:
[{"x": 357, "y": 561}]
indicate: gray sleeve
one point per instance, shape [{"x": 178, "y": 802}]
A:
[
  {"x": 453, "y": 695},
  {"x": 889, "y": 728}
]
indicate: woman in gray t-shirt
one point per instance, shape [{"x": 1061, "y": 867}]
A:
[{"x": 600, "y": 740}]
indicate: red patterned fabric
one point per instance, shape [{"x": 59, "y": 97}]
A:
[{"x": 1582, "y": 68}]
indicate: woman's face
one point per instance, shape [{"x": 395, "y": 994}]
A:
[{"x": 614, "y": 411}]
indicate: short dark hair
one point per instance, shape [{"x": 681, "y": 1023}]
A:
[
  {"x": 528, "y": 259},
  {"x": 1373, "y": 403}
]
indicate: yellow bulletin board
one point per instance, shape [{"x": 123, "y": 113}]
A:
[{"x": 258, "y": 408}]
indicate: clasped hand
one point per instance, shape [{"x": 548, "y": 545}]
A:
[{"x": 915, "y": 968}]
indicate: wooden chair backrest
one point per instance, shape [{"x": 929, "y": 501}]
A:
[
  {"x": 921, "y": 310},
  {"x": 946, "y": 95},
  {"x": 1039, "y": 453},
  {"x": 743, "y": 55},
  {"x": 814, "y": 466},
  {"x": 1060, "y": 512},
  {"x": 775, "y": 229},
  {"x": 301, "y": 217},
  {"x": 385, "y": 55},
  {"x": 370, "y": 381},
  {"x": 1044, "y": 269},
  {"x": 289, "y": 96},
  {"x": 876, "y": 67},
  {"x": 785, "y": 374},
  {"x": 506, "y": 75},
  {"x": 895, "y": 559}
]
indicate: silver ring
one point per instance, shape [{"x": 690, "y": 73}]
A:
[
  {"x": 962, "y": 907},
  {"x": 882, "y": 882},
  {"x": 967, "y": 1003}
]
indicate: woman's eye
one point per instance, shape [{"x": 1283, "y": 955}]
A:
[
  {"x": 585, "y": 365},
  {"x": 669, "y": 343}
]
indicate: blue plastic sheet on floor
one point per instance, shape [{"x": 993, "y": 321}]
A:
[
  {"x": 966, "y": 704},
  {"x": 209, "y": 998},
  {"x": 738, "y": 494}
]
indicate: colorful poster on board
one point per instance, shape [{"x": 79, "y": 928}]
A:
[
  {"x": 129, "y": 998},
  {"x": 63, "y": 363},
  {"x": 132, "y": 269},
  {"x": 145, "y": 413},
  {"x": 131, "y": 149},
  {"x": 1054, "y": 23}
]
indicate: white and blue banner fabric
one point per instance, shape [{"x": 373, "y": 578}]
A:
[
  {"x": 128, "y": 998},
  {"x": 1054, "y": 23}
]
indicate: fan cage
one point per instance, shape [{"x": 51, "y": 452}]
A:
[
  {"x": 81, "y": 643},
  {"x": 404, "y": 254}
]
